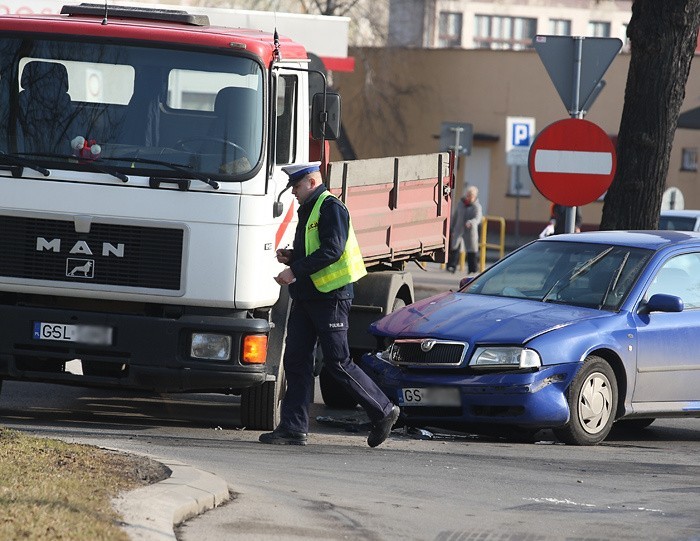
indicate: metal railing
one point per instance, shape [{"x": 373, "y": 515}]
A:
[{"x": 484, "y": 245}]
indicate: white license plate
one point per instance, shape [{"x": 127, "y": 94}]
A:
[
  {"x": 84, "y": 334},
  {"x": 430, "y": 396}
]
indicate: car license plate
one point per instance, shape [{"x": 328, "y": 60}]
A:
[
  {"x": 430, "y": 396},
  {"x": 84, "y": 334}
]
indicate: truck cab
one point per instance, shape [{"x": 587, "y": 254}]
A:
[
  {"x": 142, "y": 199},
  {"x": 140, "y": 196}
]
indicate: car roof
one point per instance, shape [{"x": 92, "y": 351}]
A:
[
  {"x": 651, "y": 240},
  {"x": 681, "y": 213}
]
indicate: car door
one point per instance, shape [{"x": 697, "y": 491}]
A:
[{"x": 668, "y": 349}]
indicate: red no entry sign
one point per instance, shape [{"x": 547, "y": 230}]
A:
[{"x": 572, "y": 162}]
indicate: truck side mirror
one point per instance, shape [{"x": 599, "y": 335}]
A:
[{"x": 325, "y": 120}]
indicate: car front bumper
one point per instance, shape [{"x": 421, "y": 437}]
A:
[{"x": 527, "y": 399}]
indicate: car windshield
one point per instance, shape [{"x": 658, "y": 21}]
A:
[
  {"x": 135, "y": 109},
  {"x": 574, "y": 273}
]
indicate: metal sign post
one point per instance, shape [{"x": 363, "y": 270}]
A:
[
  {"x": 458, "y": 137},
  {"x": 576, "y": 65}
]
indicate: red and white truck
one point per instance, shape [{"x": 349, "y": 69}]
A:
[{"x": 142, "y": 200}]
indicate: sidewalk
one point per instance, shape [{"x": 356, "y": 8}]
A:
[{"x": 150, "y": 513}]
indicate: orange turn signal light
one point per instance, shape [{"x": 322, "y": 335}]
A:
[{"x": 254, "y": 349}]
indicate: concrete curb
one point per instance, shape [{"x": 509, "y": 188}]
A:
[{"x": 150, "y": 513}]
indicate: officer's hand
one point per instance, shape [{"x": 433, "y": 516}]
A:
[
  {"x": 284, "y": 255},
  {"x": 285, "y": 277}
]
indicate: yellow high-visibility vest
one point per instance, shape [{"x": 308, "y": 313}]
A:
[{"x": 349, "y": 268}]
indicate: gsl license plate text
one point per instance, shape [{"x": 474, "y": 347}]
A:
[
  {"x": 429, "y": 396},
  {"x": 84, "y": 334}
]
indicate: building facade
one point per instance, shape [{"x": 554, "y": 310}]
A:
[
  {"x": 414, "y": 90},
  {"x": 501, "y": 24}
]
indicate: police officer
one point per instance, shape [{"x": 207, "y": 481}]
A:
[{"x": 322, "y": 265}]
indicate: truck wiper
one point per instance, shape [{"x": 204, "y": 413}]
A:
[
  {"x": 18, "y": 161},
  {"x": 75, "y": 159},
  {"x": 184, "y": 169}
]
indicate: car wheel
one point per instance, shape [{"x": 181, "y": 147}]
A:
[
  {"x": 634, "y": 424},
  {"x": 592, "y": 401}
]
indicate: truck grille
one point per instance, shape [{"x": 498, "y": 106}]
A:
[
  {"x": 428, "y": 352},
  {"x": 110, "y": 254}
]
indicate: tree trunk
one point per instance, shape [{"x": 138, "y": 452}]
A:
[{"x": 663, "y": 36}]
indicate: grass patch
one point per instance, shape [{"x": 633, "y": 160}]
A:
[{"x": 50, "y": 489}]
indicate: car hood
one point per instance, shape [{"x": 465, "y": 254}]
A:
[{"x": 481, "y": 318}]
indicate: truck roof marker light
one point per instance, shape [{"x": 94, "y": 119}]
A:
[
  {"x": 254, "y": 349},
  {"x": 239, "y": 46}
]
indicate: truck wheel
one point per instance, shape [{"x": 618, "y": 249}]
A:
[
  {"x": 592, "y": 401},
  {"x": 260, "y": 405},
  {"x": 333, "y": 393}
]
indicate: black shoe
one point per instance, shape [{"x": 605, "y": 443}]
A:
[
  {"x": 282, "y": 436},
  {"x": 381, "y": 429},
  {"x": 451, "y": 269}
]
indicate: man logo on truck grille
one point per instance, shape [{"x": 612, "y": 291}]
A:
[{"x": 82, "y": 268}]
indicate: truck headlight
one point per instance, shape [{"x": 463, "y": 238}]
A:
[
  {"x": 216, "y": 347},
  {"x": 505, "y": 357}
]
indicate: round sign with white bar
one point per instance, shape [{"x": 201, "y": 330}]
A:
[{"x": 572, "y": 162}]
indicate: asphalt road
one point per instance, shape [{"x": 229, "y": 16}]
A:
[
  {"x": 430, "y": 485},
  {"x": 633, "y": 486}
]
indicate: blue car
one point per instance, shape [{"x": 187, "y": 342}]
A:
[{"x": 571, "y": 332}]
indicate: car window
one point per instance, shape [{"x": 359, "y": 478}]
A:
[
  {"x": 575, "y": 273},
  {"x": 679, "y": 276},
  {"x": 677, "y": 223}
]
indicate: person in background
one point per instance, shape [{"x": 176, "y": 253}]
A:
[
  {"x": 559, "y": 218},
  {"x": 464, "y": 230},
  {"x": 323, "y": 263}
]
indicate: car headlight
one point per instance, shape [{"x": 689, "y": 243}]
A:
[
  {"x": 505, "y": 357},
  {"x": 216, "y": 347}
]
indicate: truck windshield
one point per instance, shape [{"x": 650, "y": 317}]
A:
[{"x": 104, "y": 101}]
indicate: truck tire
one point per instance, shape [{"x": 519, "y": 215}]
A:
[
  {"x": 260, "y": 405},
  {"x": 333, "y": 393}
]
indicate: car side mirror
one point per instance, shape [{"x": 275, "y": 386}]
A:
[
  {"x": 325, "y": 117},
  {"x": 662, "y": 303}
]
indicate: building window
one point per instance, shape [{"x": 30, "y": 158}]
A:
[
  {"x": 496, "y": 32},
  {"x": 450, "y": 29},
  {"x": 560, "y": 27},
  {"x": 599, "y": 29},
  {"x": 520, "y": 182},
  {"x": 689, "y": 159}
]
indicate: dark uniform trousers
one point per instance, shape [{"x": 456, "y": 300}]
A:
[{"x": 327, "y": 320}]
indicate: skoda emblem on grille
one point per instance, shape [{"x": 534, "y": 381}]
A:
[{"x": 427, "y": 345}]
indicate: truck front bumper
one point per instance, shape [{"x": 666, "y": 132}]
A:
[{"x": 149, "y": 353}]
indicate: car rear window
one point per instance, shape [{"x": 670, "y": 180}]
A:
[{"x": 677, "y": 223}]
